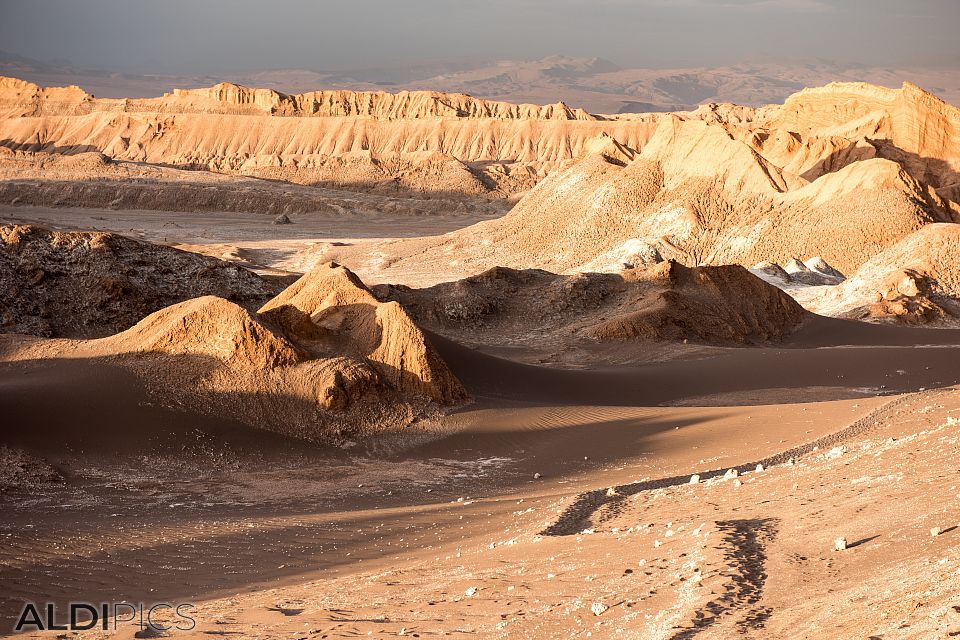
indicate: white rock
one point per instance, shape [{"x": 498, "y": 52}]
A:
[
  {"x": 537, "y": 476},
  {"x": 737, "y": 483},
  {"x": 730, "y": 474},
  {"x": 611, "y": 492},
  {"x": 470, "y": 592},
  {"x": 695, "y": 478},
  {"x": 935, "y": 531},
  {"x": 840, "y": 543},
  {"x": 836, "y": 452},
  {"x": 598, "y": 608},
  {"x": 759, "y": 468}
]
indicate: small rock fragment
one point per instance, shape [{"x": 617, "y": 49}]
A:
[
  {"x": 840, "y": 543},
  {"x": 935, "y": 531},
  {"x": 598, "y": 608},
  {"x": 470, "y": 592},
  {"x": 695, "y": 479},
  {"x": 730, "y": 474}
]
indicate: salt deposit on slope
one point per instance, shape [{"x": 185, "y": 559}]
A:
[{"x": 916, "y": 280}]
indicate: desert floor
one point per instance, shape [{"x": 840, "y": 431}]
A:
[
  {"x": 558, "y": 504},
  {"x": 251, "y": 240}
]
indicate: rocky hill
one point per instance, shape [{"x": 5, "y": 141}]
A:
[
  {"x": 728, "y": 186},
  {"x": 93, "y": 284}
]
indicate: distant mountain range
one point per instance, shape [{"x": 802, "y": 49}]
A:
[{"x": 595, "y": 84}]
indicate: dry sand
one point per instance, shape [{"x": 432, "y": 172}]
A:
[{"x": 312, "y": 544}]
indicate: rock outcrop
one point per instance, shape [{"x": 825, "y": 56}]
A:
[
  {"x": 324, "y": 362},
  {"x": 331, "y": 305},
  {"x": 664, "y": 302},
  {"x": 93, "y": 284}
]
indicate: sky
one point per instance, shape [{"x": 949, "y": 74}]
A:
[{"x": 215, "y": 36}]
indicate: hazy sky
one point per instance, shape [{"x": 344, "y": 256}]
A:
[{"x": 212, "y": 36}]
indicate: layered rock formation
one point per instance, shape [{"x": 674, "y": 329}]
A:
[
  {"x": 339, "y": 138},
  {"x": 729, "y": 189}
]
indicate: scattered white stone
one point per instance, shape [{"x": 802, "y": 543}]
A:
[
  {"x": 403, "y": 631},
  {"x": 656, "y": 544},
  {"x": 470, "y": 592},
  {"x": 737, "y": 483},
  {"x": 695, "y": 478},
  {"x": 598, "y": 608},
  {"x": 537, "y": 476},
  {"x": 836, "y": 452},
  {"x": 791, "y": 461},
  {"x": 840, "y": 543},
  {"x": 730, "y": 474},
  {"x": 611, "y": 492},
  {"x": 935, "y": 531},
  {"x": 669, "y": 533},
  {"x": 759, "y": 468}
]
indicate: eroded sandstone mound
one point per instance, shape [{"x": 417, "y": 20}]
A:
[
  {"x": 324, "y": 362},
  {"x": 91, "y": 284},
  {"x": 331, "y": 305},
  {"x": 664, "y": 302}
]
